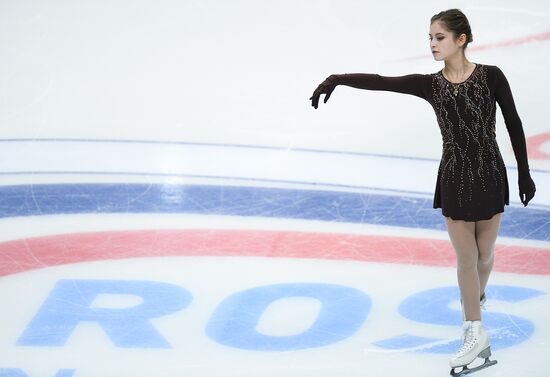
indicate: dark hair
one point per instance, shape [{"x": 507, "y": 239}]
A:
[{"x": 456, "y": 22}]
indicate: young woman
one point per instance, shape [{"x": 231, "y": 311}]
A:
[{"x": 472, "y": 185}]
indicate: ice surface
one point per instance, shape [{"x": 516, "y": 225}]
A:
[{"x": 171, "y": 204}]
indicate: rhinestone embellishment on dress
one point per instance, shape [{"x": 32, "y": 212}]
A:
[{"x": 471, "y": 159}]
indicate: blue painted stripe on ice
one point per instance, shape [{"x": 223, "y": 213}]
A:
[
  {"x": 215, "y": 145},
  {"x": 412, "y": 212}
]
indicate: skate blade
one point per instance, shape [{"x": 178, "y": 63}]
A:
[{"x": 465, "y": 370}]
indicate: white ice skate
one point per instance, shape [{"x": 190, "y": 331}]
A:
[
  {"x": 476, "y": 344},
  {"x": 482, "y": 301}
]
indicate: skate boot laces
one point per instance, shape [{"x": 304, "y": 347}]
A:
[{"x": 470, "y": 340}]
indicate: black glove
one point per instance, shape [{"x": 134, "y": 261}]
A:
[
  {"x": 526, "y": 188},
  {"x": 327, "y": 87}
]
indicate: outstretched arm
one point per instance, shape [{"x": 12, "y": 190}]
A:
[
  {"x": 514, "y": 126},
  {"x": 414, "y": 84}
]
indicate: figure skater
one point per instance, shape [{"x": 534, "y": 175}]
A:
[{"x": 472, "y": 185}]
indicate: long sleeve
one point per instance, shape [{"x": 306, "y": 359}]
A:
[
  {"x": 505, "y": 100},
  {"x": 415, "y": 84}
]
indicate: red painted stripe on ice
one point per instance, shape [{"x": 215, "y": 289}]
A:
[
  {"x": 534, "y": 146},
  {"x": 539, "y": 37},
  {"x": 28, "y": 254},
  {"x": 513, "y": 42}
]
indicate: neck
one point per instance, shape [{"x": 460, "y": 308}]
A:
[{"x": 457, "y": 67}]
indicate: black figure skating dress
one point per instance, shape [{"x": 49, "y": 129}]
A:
[{"x": 471, "y": 182}]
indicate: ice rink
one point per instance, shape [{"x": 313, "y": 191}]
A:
[{"x": 172, "y": 205}]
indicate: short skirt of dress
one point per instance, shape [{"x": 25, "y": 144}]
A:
[{"x": 483, "y": 206}]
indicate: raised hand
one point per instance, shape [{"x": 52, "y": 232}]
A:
[{"x": 326, "y": 87}]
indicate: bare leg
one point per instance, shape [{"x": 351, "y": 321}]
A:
[
  {"x": 463, "y": 238},
  {"x": 486, "y": 235}
]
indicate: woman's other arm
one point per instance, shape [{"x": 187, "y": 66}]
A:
[{"x": 505, "y": 99}]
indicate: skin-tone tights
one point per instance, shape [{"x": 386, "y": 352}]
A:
[{"x": 474, "y": 244}]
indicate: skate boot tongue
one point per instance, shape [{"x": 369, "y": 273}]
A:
[{"x": 465, "y": 326}]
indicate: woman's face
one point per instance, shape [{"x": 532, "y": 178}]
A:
[{"x": 441, "y": 40}]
